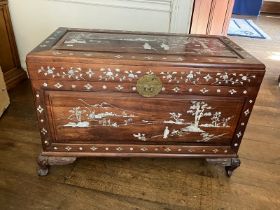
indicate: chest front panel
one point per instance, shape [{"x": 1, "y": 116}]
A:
[{"x": 130, "y": 118}]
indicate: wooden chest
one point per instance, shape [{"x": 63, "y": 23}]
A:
[{"x": 114, "y": 93}]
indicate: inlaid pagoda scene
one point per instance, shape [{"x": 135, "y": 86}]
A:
[{"x": 199, "y": 121}]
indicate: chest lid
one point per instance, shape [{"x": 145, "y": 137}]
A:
[{"x": 131, "y": 48}]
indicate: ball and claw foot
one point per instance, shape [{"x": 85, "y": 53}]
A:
[
  {"x": 228, "y": 171},
  {"x": 43, "y": 165},
  {"x": 42, "y": 171},
  {"x": 230, "y": 164},
  {"x": 235, "y": 163},
  {"x": 44, "y": 162}
]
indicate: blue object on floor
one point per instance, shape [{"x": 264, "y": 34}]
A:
[
  {"x": 246, "y": 28},
  {"x": 247, "y": 7}
]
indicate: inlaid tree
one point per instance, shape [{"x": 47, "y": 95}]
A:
[
  {"x": 76, "y": 114},
  {"x": 225, "y": 121},
  {"x": 216, "y": 119},
  {"x": 198, "y": 110}
]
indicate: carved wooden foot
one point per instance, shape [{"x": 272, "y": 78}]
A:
[
  {"x": 230, "y": 164},
  {"x": 44, "y": 162},
  {"x": 235, "y": 163}
]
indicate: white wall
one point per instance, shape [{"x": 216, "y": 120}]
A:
[{"x": 34, "y": 20}]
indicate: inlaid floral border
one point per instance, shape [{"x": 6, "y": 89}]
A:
[
  {"x": 47, "y": 144},
  {"x": 245, "y": 115},
  {"x": 130, "y": 87},
  {"x": 45, "y": 133},
  {"x": 42, "y": 119},
  {"x": 168, "y": 149},
  {"x": 119, "y": 75},
  {"x": 44, "y": 130}
]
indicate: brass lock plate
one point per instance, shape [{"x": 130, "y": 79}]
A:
[{"x": 149, "y": 85}]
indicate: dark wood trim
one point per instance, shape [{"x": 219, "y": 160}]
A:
[
  {"x": 11, "y": 36},
  {"x": 16, "y": 74},
  {"x": 271, "y": 7}
]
